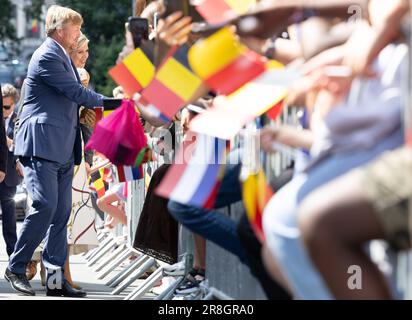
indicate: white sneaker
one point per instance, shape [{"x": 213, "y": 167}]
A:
[
  {"x": 166, "y": 283},
  {"x": 177, "y": 269}
]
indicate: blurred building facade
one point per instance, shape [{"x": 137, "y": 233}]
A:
[{"x": 29, "y": 29}]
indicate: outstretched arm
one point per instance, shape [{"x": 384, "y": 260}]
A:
[{"x": 55, "y": 75}]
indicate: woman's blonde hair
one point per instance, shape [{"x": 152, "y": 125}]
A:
[
  {"x": 82, "y": 40},
  {"x": 57, "y": 17}
]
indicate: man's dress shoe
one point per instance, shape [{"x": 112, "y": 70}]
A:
[{"x": 19, "y": 283}]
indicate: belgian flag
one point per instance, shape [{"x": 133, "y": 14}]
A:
[
  {"x": 224, "y": 63},
  {"x": 134, "y": 73},
  {"x": 217, "y": 11},
  {"x": 256, "y": 195},
  {"x": 98, "y": 183},
  {"x": 174, "y": 85}
]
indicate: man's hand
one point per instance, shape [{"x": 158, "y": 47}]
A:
[
  {"x": 326, "y": 72},
  {"x": 2, "y": 176},
  {"x": 88, "y": 117},
  {"x": 360, "y": 51},
  {"x": 9, "y": 142},
  {"x": 19, "y": 169}
]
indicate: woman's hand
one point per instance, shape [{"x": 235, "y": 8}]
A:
[
  {"x": 175, "y": 29},
  {"x": 268, "y": 136},
  {"x": 88, "y": 169},
  {"x": 19, "y": 169}
]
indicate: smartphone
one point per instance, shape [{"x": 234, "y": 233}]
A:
[
  {"x": 111, "y": 104},
  {"x": 139, "y": 28},
  {"x": 155, "y": 20},
  {"x": 183, "y": 6}
]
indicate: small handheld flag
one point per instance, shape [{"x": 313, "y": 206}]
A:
[
  {"x": 128, "y": 173},
  {"x": 99, "y": 185},
  {"x": 174, "y": 85},
  {"x": 134, "y": 73},
  {"x": 224, "y": 63},
  {"x": 256, "y": 195},
  {"x": 217, "y": 11},
  {"x": 197, "y": 180}
]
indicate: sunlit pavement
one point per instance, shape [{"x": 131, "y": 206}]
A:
[{"x": 81, "y": 273}]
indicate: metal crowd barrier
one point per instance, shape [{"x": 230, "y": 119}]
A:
[
  {"x": 112, "y": 253},
  {"x": 238, "y": 283}
]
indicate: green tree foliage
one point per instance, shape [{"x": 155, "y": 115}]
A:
[
  {"x": 104, "y": 26},
  {"x": 35, "y": 9},
  {"x": 7, "y": 30}
]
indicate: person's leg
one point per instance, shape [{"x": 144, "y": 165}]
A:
[
  {"x": 212, "y": 224},
  {"x": 200, "y": 252},
  {"x": 41, "y": 181},
  {"x": 274, "y": 270},
  {"x": 336, "y": 221},
  {"x": 282, "y": 251},
  {"x": 105, "y": 204},
  {"x": 280, "y": 218},
  {"x": 110, "y": 222},
  {"x": 55, "y": 249},
  {"x": 8, "y": 209},
  {"x": 67, "y": 273},
  {"x": 93, "y": 197},
  {"x": 367, "y": 204},
  {"x": 253, "y": 248}
]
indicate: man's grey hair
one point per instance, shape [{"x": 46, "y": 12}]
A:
[{"x": 57, "y": 17}]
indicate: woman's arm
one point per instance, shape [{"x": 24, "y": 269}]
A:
[
  {"x": 287, "y": 135},
  {"x": 148, "y": 116}
]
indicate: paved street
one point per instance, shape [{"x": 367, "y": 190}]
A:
[{"x": 81, "y": 273}]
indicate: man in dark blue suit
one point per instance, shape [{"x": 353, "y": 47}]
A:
[
  {"x": 48, "y": 145},
  {"x": 12, "y": 180}
]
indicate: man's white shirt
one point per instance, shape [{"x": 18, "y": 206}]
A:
[{"x": 68, "y": 57}]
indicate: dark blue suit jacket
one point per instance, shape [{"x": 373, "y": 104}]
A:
[{"x": 49, "y": 122}]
